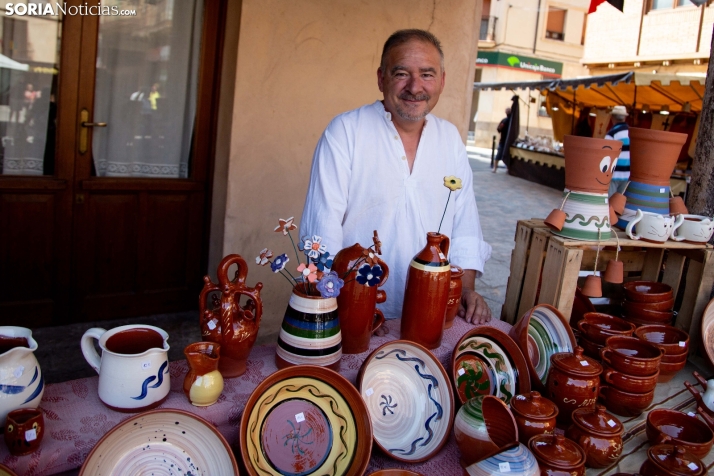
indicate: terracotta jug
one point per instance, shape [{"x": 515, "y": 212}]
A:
[
  {"x": 356, "y": 304},
  {"x": 227, "y": 323},
  {"x": 203, "y": 383},
  {"x": 455, "y": 288},
  {"x": 426, "y": 294}
]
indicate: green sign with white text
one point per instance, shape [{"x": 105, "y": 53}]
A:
[{"x": 535, "y": 65}]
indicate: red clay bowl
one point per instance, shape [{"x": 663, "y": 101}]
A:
[
  {"x": 674, "y": 341},
  {"x": 628, "y": 383},
  {"x": 647, "y": 291},
  {"x": 632, "y": 356},
  {"x": 668, "y": 371},
  {"x": 597, "y": 327},
  {"x": 644, "y": 322},
  {"x": 677, "y": 428},
  {"x": 674, "y": 359},
  {"x": 653, "y": 317},
  {"x": 591, "y": 349},
  {"x": 650, "y": 306},
  {"x": 625, "y": 403}
]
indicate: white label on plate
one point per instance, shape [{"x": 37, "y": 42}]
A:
[
  {"x": 146, "y": 365},
  {"x": 691, "y": 414},
  {"x": 584, "y": 363},
  {"x": 504, "y": 467},
  {"x": 441, "y": 255},
  {"x": 693, "y": 466},
  {"x": 31, "y": 435},
  {"x": 661, "y": 190},
  {"x": 18, "y": 371},
  {"x": 611, "y": 423},
  {"x": 212, "y": 324},
  {"x": 300, "y": 417},
  {"x": 461, "y": 372},
  {"x": 682, "y": 343},
  {"x": 369, "y": 392}
]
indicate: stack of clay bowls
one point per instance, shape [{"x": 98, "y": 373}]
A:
[
  {"x": 674, "y": 342},
  {"x": 595, "y": 328},
  {"x": 648, "y": 302},
  {"x": 630, "y": 373}
]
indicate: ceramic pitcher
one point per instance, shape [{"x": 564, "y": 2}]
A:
[
  {"x": 427, "y": 292},
  {"x": 21, "y": 382},
  {"x": 227, "y": 322},
  {"x": 133, "y": 368},
  {"x": 203, "y": 383},
  {"x": 356, "y": 304}
]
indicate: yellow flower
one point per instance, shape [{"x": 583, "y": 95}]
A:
[{"x": 452, "y": 183}]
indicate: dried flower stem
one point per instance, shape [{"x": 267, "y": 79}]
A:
[
  {"x": 294, "y": 247},
  {"x": 444, "y": 214}
]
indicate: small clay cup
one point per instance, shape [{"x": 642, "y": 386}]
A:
[
  {"x": 674, "y": 341},
  {"x": 615, "y": 271},
  {"x": 534, "y": 414},
  {"x": 598, "y": 327},
  {"x": 591, "y": 349},
  {"x": 648, "y": 306},
  {"x": 617, "y": 202},
  {"x": 24, "y": 429},
  {"x": 557, "y": 455},
  {"x": 647, "y": 291},
  {"x": 631, "y": 356},
  {"x": 599, "y": 434},
  {"x": 625, "y": 403},
  {"x": 592, "y": 286},
  {"x": 555, "y": 220},
  {"x": 668, "y": 460},
  {"x": 677, "y": 428},
  {"x": 628, "y": 383}
]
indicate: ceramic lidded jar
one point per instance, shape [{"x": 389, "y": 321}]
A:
[
  {"x": 557, "y": 455},
  {"x": 534, "y": 414},
  {"x": 426, "y": 293},
  {"x": 599, "y": 434},
  {"x": 573, "y": 382},
  {"x": 455, "y": 288},
  {"x": 667, "y": 460}
]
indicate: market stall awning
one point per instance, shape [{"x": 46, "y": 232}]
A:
[{"x": 9, "y": 63}]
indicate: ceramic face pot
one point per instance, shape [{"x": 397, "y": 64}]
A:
[
  {"x": 632, "y": 356},
  {"x": 599, "y": 434},
  {"x": 677, "y": 428},
  {"x": 21, "y": 380},
  {"x": 134, "y": 366},
  {"x": 483, "y": 427},
  {"x": 694, "y": 229},
  {"x": 653, "y": 155},
  {"x": 310, "y": 334},
  {"x": 669, "y": 460},
  {"x": 573, "y": 382},
  {"x": 24, "y": 429},
  {"x": 427, "y": 292},
  {"x": 589, "y": 163},
  {"x": 629, "y": 383},
  {"x": 534, "y": 414},
  {"x": 625, "y": 403},
  {"x": 203, "y": 383},
  {"x": 356, "y": 303},
  {"x": 229, "y": 324},
  {"x": 455, "y": 287},
  {"x": 597, "y": 327},
  {"x": 557, "y": 455}
]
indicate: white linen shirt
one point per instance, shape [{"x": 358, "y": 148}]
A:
[{"x": 360, "y": 182}]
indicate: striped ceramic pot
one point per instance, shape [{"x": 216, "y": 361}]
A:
[
  {"x": 587, "y": 216},
  {"x": 645, "y": 197},
  {"x": 310, "y": 333}
]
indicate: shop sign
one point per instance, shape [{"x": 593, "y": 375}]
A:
[{"x": 509, "y": 60}]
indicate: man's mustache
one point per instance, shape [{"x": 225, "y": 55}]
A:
[{"x": 414, "y": 97}]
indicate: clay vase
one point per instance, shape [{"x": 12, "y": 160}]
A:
[
  {"x": 426, "y": 293},
  {"x": 20, "y": 372},
  {"x": 534, "y": 414},
  {"x": 483, "y": 427},
  {"x": 573, "y": 382},
  {"x": 557, "y": 455},
  {"x": 455, "y": 288},
  {"x": 356, "y": 303},
  {"x": 599, "y": 434},
  {"x": 24, "y": 429},
  {"x": 668, "y": 460},
  {"x": 653, "y": 155},
  {"x": 203, "y": 383},
  {"x": 227, "y": 323}
]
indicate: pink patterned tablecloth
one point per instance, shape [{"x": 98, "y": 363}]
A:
[{"x": 75, "y": 419}]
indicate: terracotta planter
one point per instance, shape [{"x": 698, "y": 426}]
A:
[
  {"x": 573, "y": 382},
  {"x": 356, "y": 304},
  {"x": 203, "y": 383},
  {"x": 557, "y": 455},
  {"x": 653, "y": 155},
  {"x": 589, "y": 163},
  {"x": 599, "y": 434},
  {"x": 534, "y": 414},
  {"x": 669, "y": 460},
  {"x": 644, "y": 197},
  {"x": 455, "y": 287},
  {"x": 427, "y": 292}
]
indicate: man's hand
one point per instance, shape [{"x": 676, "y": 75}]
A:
[
  {"x": 473, "y": 307},
  {"x": 382, "y": 330}
]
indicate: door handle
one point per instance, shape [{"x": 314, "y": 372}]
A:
[
  {"x": 83, "y": 135},
  {"x": 94, "y": 124}
]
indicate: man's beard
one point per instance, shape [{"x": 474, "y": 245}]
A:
[{"x": 411, "y": 97}]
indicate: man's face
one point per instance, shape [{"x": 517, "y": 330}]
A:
[{"x": 412, "y": 80}]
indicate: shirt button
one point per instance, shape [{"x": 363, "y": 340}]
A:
[
  {"x": 396, "y": 137},
  {"x": 404, "y": 157}
]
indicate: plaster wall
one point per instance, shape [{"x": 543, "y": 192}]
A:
[{"x": 299, "y": 65}]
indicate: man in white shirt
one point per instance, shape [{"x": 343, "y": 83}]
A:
[{"x": 382, "y": 167}]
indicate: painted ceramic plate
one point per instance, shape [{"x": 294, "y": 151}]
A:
[
  {"x": 502, "y": 354},
  {"x": 516, "y": 461},
  {"x": 708, "y": 330},
  {"x": 163, "y": 441},
  {"x": 305, "y": 420},
  {"x": 5, "y": 471},
  {"x": 409, "y": 399},
  {"x": 474, "y": 376}
]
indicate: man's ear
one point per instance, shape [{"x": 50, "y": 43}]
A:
[{"x": 380, "y": 79}]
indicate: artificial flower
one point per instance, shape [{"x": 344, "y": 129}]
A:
[
  {"x": 308, "y": 272},
  {"x": 330, "y": 285},
  {"x": 264, "y": 257},
  {"x": 324, "y": 262},
  {"x": 377, "y": 243},
  {"x": 314, "y": 248},
  {"x": 285, "y": 225},
  {"x": 369, "y": 275},
  {"x": 369, "y": 256},
  {"x": 452, "y": 183},
  {"x": 279, "y": 263}
]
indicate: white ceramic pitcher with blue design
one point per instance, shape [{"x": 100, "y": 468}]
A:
[
  {"x": 21, "y": 381},
  {"x": 133, "y": 368}
]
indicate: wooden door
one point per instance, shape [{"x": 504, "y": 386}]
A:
[{"x": 120, "y": 227}]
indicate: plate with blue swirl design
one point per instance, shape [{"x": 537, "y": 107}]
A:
[{"x": 409, "y": 400}]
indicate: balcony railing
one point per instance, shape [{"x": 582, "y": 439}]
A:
[{"x": 488, "y": 28}]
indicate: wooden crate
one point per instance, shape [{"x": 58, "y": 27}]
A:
[{"x": 545, "y": 269}]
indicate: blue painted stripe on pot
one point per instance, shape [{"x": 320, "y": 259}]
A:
[
  {"x": 312, "y": 325},
  {"x": 647, "y": 199},
  {"x": 311, "y": 317},
  {"x": 646, "y": 189},
  {"x": 310, "y": 333},
  {"x": 309, "y": 352},
  {"x": 644, "y": 208}
]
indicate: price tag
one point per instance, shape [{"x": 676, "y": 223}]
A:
[
  {"x": 441, "y": 255},
  {"x": 18, "y": 371},
  {"x": 211, "y": 324},
  {"x": 661, "y": 190},
  {"x": 611, "y": 423},
  {"x": 300, "y": 417},
  {"x": 606, "y": 202},
  {"x": 693, "y": 466},
  {"x": 146, "y": 365},
  {"x": 369, "y": 392},
  {"x": 682, "y": 343},
  {"x": 461, "y": 372},
  {"x": 31, "y": 435},
  {"x": 504, "y": 467},
  {"x": 691, "y": 414},
  {"x": 584, "y": 363}
]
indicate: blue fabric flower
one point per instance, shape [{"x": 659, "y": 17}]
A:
[
  {"x": 279, "y": 263},
  {"x": 369, "y": 275},
  {"x": 330, "y": 285},
  {"x": 324, "y": 262}
]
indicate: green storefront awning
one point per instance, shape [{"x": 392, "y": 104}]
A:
[{"x": 525, "y": 63}]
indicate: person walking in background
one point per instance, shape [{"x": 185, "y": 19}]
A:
[
  {"x": 620, "y": 131},
  {"x": 503, "y": 130}
]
